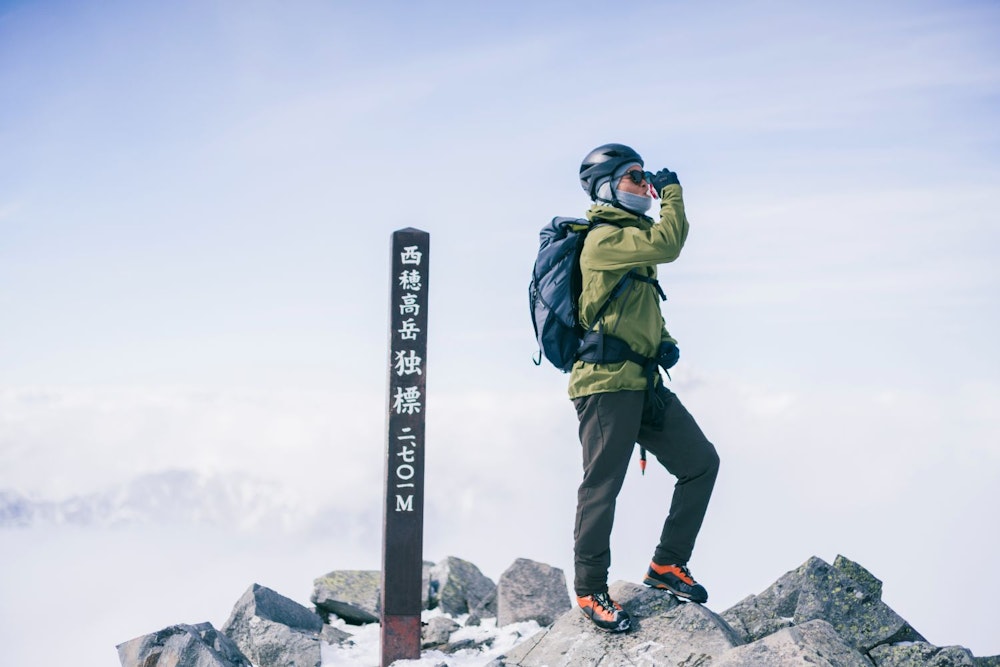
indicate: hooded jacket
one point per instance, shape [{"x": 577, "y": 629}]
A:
[{"x": 629, "y": 242}]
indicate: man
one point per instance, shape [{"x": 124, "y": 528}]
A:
[{"x": 616, "y": 386}]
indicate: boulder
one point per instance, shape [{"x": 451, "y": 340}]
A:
[
  {"x": 425, "y": 581},
  {"x": 332, "y": 635},
  {"x": 666, "y": 633},
  {"x": 468, "y": 643},
  {"x": 865, "y": 580},
  {"x": 437, "y": 632},
  {"x": 846, "y": 596},
  {"x": 811, "y": 643},
  {"x": 921, "y": 654},
  {"x": 487, "y": 608},
  {"x": 352, "y": 595},
  {"x": 274, "y": 631},
  {"x": 198, "y": 645},
  {"x": 458, "y": 587},
  {"x": 531, "y": 591}
]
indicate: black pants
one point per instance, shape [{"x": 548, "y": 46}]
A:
[{"x": 610, "y": 425}]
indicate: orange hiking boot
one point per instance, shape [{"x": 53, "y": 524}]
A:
[
  {"x": 677, "y": 579},
  {"x": 606, "y": 614}
]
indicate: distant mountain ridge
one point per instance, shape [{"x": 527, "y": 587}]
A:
[{"x": 172, "y": 496}]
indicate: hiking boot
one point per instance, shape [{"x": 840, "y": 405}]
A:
[
  {"x": 606, "y": 614},
  {"x": 676, "y": 579}
]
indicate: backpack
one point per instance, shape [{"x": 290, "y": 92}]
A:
[
  {"x": 554, "y": 292},
  {"x": 554, "y": 302},
  {"x": 554, "y": 299}
]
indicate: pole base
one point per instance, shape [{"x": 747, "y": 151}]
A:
[{"x": 400, "y": 639}]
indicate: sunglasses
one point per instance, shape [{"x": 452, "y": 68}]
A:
[{"x": 638, "y": 176}]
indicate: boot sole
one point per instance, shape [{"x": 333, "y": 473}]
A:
[
  {"x": 683, "y": 597},
  {"x": 623, "y": 626}
]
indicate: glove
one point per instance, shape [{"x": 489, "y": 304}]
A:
[
  {"x": 663, "y": 178},
  {"x": 667, "y": 355}
]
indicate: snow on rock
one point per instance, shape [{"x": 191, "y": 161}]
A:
[{"x": 816, "y": 614}]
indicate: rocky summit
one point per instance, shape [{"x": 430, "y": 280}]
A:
[{"x": 817, "y": 614}]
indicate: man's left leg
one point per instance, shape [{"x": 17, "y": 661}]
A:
[{"x": 681, "y": 447}]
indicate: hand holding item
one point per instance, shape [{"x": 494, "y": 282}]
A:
[
  {"x": 663, "y": 178},
  {"x": 667, "y": 355}
]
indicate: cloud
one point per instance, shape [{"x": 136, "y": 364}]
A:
[
  {"x": 220, "y": 209},
  {"x": 60, "y": 441},
  {"x": 865, "y": 470}
]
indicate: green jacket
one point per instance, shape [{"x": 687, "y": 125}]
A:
[{"x": 634, "y": 316}]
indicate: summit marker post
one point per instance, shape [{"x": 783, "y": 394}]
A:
[{"x": 403, "y": 515}]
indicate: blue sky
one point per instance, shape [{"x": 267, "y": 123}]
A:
[{"x": 196, "y": 201}]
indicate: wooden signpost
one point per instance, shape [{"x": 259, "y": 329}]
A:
[{"x": 403, "y": 516}]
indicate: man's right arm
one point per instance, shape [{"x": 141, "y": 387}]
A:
[{"x": 609, "y": 248}]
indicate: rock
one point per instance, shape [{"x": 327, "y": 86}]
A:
[
  {"x": 425, "y": 580},
  {"x": 666, "y": 633},
  {"x": 198, "y": 645},
  {"x": 332, "y": 635},
  {"x": 811, "y": 643},
  {"x": 486, "y": 609},
  {"x": 921, "y": 654},
  {"x": 531, "y": 591},
  {"x": 462, "y": 644},
  {"x": 457, "y": 586},
  {"x": 862, "y": 577},
  {"x": 437, "y": 632},
  {"x": 817, "y": 590},
  {"x": 353, "y": 595},
  {"x": 274, "y": 631}
]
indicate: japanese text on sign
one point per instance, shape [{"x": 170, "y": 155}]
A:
[
  {"x": 407, "y": 399},
  {"x": 407, "y": 365}
]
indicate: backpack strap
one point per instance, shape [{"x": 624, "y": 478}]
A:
[
  {"x": 620, "y": 287},
  {"x": 597, "y": 347},
  {"x": 652, "y": 281}
]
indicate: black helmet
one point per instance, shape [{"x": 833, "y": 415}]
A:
[{"x": 602, "y": 162}]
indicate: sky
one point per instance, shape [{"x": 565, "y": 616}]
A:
[{"x": 196, "y": 206}]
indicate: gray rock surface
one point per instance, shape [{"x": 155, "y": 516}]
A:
[
  {"x": 531, "y": 591},
  {"x": 274, "y": 631},
  {"x": 921, "y": 654},
  {"x": 458, "y": 587},
  {"x": 817, "y": 614},
  {"x": 487, "y": 608},
  {"x": 811, "y": 643},
  {"x": 331, "y": 635},
  {"x": 198, "y": 645},
  {"x": 860, "y": 576},
  {"x": 437, "y": 632},
  {"x": 425, "y": 580},
  {"x": 353, "y": 595},
  {"x": 847, "y": 597},
  {"x": 666, "y": 633}
]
